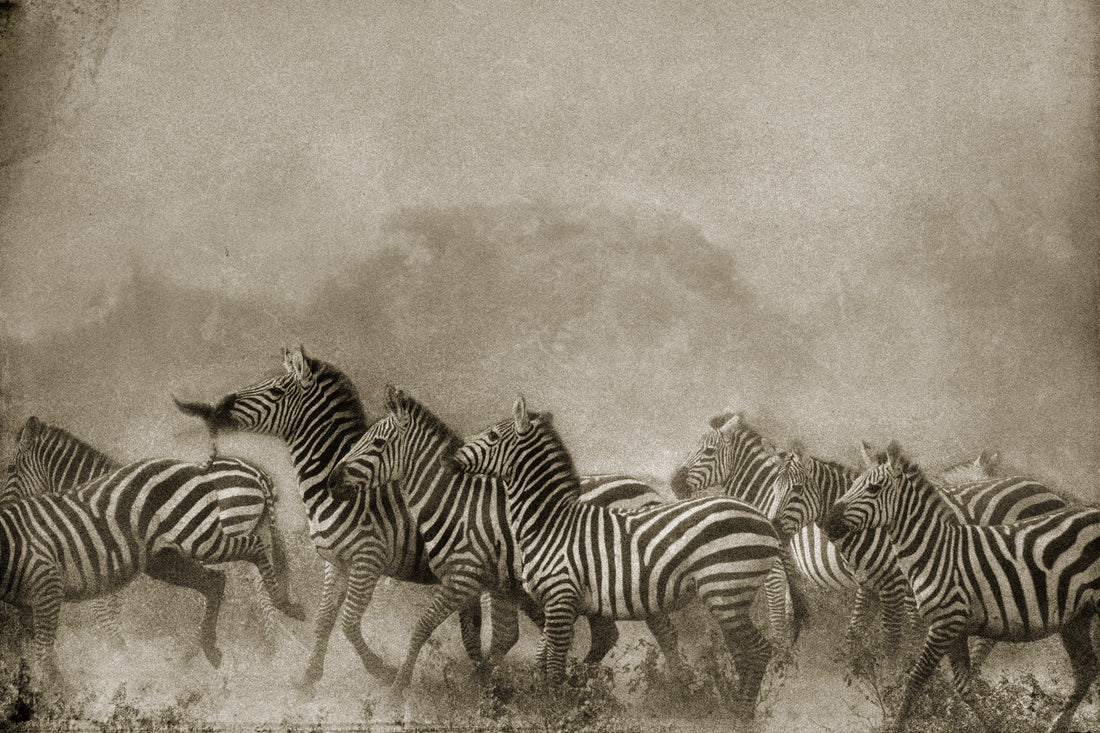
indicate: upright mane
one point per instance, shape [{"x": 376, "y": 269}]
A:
[
  {"x": 47, "y": 433},
  {"x": 429, "y": 419}
]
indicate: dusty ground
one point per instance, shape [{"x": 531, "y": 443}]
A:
[{"x": 160, "y": 681}]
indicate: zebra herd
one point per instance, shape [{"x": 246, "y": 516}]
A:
[{"x": 506, "y": 514}]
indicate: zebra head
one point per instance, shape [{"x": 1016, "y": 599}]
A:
[
  {"x": 272, "y": 406},
  {"x": 380, "y": 455},
  {"x": 712, "y": 461},
  {"x": 499, "y": 450},
  {"x": 797, "y": 493},
  {"x": 28, "y": 474},
  {"x": 874, "y": 497}
]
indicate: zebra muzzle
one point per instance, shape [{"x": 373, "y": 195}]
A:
[{"x": 835, "y": 525}]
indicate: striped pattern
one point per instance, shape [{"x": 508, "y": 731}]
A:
[
  {"x": 584, "y": 559},
  {"x": 160, "y": 517},
  {"x": 737, "y": 458},
  {"x": 463, "y": 519},
  {"x": 1014, "y": 582},
  {"x": 51, "y": 460}
]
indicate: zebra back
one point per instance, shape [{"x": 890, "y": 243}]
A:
[{"x": 51, "y": 460}]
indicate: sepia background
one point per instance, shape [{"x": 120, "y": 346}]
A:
[{"x": 852, "y": 221}]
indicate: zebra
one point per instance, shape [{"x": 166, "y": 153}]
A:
[
  {"x": 463, "y": 521},
  {"x": 1014, "y": 582},
  {"x": 737, "y": 458},
  {"x": 584, "y": 559},
  {"x": 806, "y": 487},
  {"x": 315, "y": 409},
  {"x": 51, "y": 460},
  {"x": 159, "y": 516}
]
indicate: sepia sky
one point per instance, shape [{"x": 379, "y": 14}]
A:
[{"x": 913, "y": 185}]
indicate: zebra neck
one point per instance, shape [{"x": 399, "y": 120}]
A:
[
  {"x": 318, "y": 444},
  {"x": 832, "y": 481},
  {"x": 543, "y": 498},
  {"x": 923, "y": 532},
  {"x": 750, "y": 477},
  {"x": 431, "y": 479}
]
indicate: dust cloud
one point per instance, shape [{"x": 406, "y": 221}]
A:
[{"x": 856, "y": 223}]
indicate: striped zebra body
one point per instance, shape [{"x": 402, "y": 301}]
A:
[
  {"x": 315, "y": 409},
  {"x": 739, "y": 460},
  {"x": 1015, "y": 582},
  {"x": 463, "y": 519},
  {"x": 160, "y": 517},
  {"x": 51, "y": 460},
  {"x": 584, "y": 559}
]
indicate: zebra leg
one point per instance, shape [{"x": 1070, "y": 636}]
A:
[
  {"x": 504, "y": 620},
  {"x": 107, "y": 610},
  {"x": 469, "y": 625},
  {"x": 1082, "y": 656},
  {"x": 751, "y": 652},
  {"x": 267, "y": 613},
  {"x": 448, "y": 598},
  {"x": 893, "y": 594},
  {"x": 775, "y": 595},
  {"x": 857, "y": 626},
  {"x": 603, "y": 633},
  {"x": 962, "y": 673},
  {"x": 45, "y": 613},
  {"x": 660, "y": 625},
  {"x": 332, "y": 597},
  {"x": 272, "y": 591},
  {"x": 800, "y": 610},
  {"x": 942, "y": 634},
  {"x": 980, "y": 649},
  {"x": 171, "y": 567},
  {"x": 366, "y": 568},
  {"x": 561, "y": 614}
]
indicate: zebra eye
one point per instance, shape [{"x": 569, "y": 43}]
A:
[
  {"x": 277, "y": 391},
  {"x": 493, "y": 436},
  {"x": 708, "y": 451},
  {"x": 378, "y": 443}
]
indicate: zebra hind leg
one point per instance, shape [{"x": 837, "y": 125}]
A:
[
  {"x": 660, "y": 625},
  {"x": 504, "y": 620},
  {"x": 171, "y": 567},
  {"x": 448, "y": 598},
  {"x": 751, "y": 653},
  {"x": 469, "y": 624},
  {"x": 603, "y": 633},
  {"x": 1082, "y": 656},
  {"x": 333, "y": 592}
]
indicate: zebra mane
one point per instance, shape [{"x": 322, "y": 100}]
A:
[
  {"x": 47, "y": 432},
  {"x": 546, "y": 423},
  {"x": 432, "y": 422},
  {"x": 343, "y": 385}
]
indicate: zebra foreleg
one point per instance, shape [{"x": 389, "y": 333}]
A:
[
  {"x": 448, "y": 598},
  {"x": 45, "y": 612},
  {"x": 751, "y": 653},
  {"x": 366, "y": 568},
  {"x": 107, "y": 610},
  {"x": 1082, "y": 656},
  {"x": 942, "y": 634},
  {"x": 603, "y": 633},
  {"x": 332, "y": 597},
  {"x": 171, "y": 567},
  {"x": 561, "y": 614},
  {"x": 504, "y": 620}
]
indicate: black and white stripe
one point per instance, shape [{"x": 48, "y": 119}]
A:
[
  {"x": 592, "y": 560},
  {"x": 160, "y": 517},
  {"x": 1014, "y": 582}
]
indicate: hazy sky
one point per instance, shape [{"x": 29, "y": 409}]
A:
[{"x": 260, "y": 145}]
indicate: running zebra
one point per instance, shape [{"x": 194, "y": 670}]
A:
[
  {"x": 315, "y": 409},
  {"x": 737, "y": 458},
  {"x": 584, "y": 559},
  {"x": 463, "y": 519},
  {"x": 806, "y": 487},
  {"x": 1013, "y": 582},
  {"x": 160, "y": 517},
  {"x": 51, "y": 460}
]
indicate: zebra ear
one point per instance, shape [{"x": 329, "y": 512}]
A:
[
  {"x": 894, "y": 458},
  {"x": 798, "y": 450},
  {"x": 867, "y": 455},
  {"x": 393, "y": 398},
  {"x": 300, "y": 367},
  {"x": 29, "y": 433},
  {"x": 988, "y": 461},
  {"x": 519, "y": 413},
  {"x": 728, "y": 427},
  {"x": 718, "y": 421}
]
